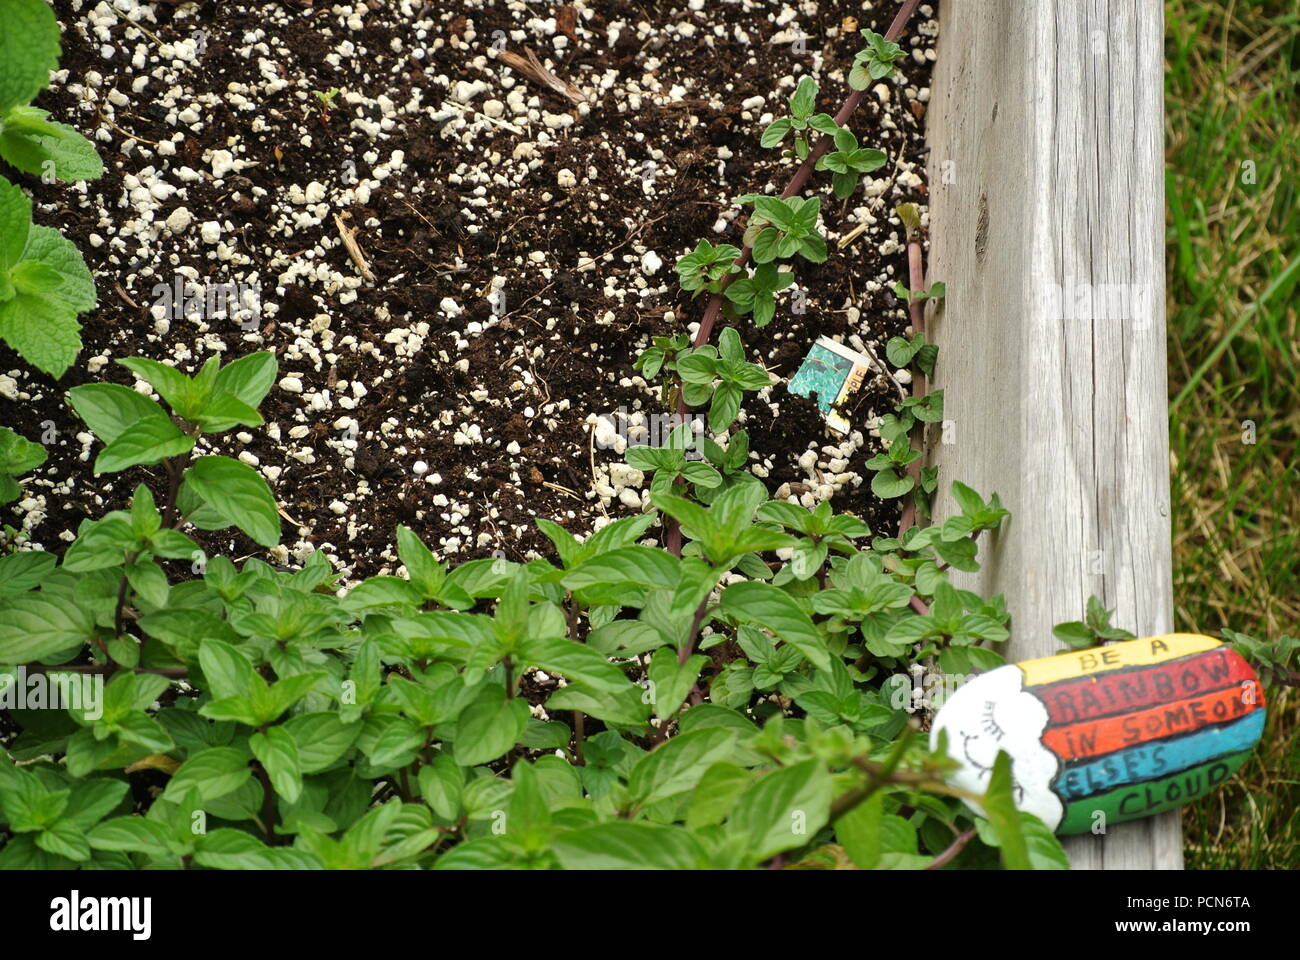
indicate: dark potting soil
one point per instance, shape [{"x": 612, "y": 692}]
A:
[{"x": 521, "y": 244}]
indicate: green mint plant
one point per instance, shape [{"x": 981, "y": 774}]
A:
[
  {"x": 756, "y": 293},
  {"x": 216, "y": 492},
  {"x": 44, "y": 285},
  {"x": 891, "y": 479},
  {"x": 731, "y": 463},
  {"x": 875, "y": 61},
  {"x": 18, "y": 455},
  {"x": 671, "y": 462},
  {"x": 902, "y": 352},
  {"x": 781, "y": 227},
  {"x": 824, "y": 532},
  {"x": 847, "y": 162},
  {"x": 44, "y": 282},
  {"x": 1278, "y": 661},
  {"x": 778, "y": 229},
  {"x": 1093, "y": 630},
  {"x": 661, "y": 355},
  {"x": 712, "y": 470},
  {"x": 802, "y": 103},
  {"x": 702, "y": 269},
  {"x": 29, "y": 50},
  {"x": 326, "y": 100},
  {"x": 935, "y": 292},
  {"x": 388, "y": 726},
  {"x": 719, "y": 376}
]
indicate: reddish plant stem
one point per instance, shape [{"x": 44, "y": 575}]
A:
[
  {"x": 673, "y": 535},
  {"x": 268, "y": 805},
  {"x": 107, "y": 669},
  {"x": 916, "y": 310},
  {"x": 701, "y": 612},
  {"x": 956, "y": 847},
  {"x": 795, "y": 185}
]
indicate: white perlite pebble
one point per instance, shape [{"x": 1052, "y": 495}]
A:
[
  {"x": 179, "y": 220},
  {"x": 419, "y": 468},
  {"x": 223, "y": 161},
  {"x": 882, "y": 92},
  {"x": 210, "y": 231},
  {"x": 291, "y": 384},
  {"x": 565, "y": 178},
  {"x": 650, "y": 263}
]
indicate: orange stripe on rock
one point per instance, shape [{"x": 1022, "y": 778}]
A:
[{"x": 1092, "y": 738}]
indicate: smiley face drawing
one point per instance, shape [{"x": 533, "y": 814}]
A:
[
  {"x": 1109, "y": 734},
  {"x": 993, "y": 713}
]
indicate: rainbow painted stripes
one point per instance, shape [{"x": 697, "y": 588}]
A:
[
  {"x": 1109, "y": 734},
  {"x": 1144, "y": 726}
]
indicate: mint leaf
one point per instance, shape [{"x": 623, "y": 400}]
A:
[
  {"x": 33, "y": 626},
  {"x": 677, "y": 766},
  {"x": 44, "y": 284},
  {"x": 18, "y": 455},
  {"x": 20, "y": 572},
  {"x": 29, "y": 141},
  {"x": 773, "y": 608},
  {"x": 888, "y": 484},
  {"x": 249, "y": 378},
  {"x": 278, "y": 754},
  {"x": 766, "y": 812},
  {"x": 29, "y": 50},
  {"x": 628, "y": 846},
  {"x": 239, "y": 494},
  {"x": 804, "y": 99},
  {"x": 15, "y": 223},
  {"x": 1003, "y": 816},
  {"x": 110, "y": 409},
  {"x": 149, "y": 440},
  {"x": 172, "y": 385},
  {"x": 45, "y": 334},
  {"x": 76, "y": 289},
  {"x": 775, "y": 132},
  {"x": 488, "y": 727}
]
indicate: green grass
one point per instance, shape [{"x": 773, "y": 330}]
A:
[{"x": 1232, "y": 110}]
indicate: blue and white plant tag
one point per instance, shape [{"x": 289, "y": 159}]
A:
[{"x": 833, "y": 372}]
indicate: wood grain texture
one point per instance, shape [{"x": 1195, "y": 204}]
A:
[{"x": 1047, "y": 224}]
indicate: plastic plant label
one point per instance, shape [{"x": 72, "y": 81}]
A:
[{"x": 833, "y": 372}]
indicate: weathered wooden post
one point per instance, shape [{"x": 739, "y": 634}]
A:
[{"x": 1047, "y": 220}]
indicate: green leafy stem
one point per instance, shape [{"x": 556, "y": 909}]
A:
[{"x": 44, "y": 282}]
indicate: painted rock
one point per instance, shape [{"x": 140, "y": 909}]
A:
[{"x": 1129, "y": 729}]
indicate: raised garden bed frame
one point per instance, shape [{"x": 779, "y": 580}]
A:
[{"x": 1047, "y": 218}]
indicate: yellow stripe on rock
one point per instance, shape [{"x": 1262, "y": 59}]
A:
[{"x": 1115, "y": 656}]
